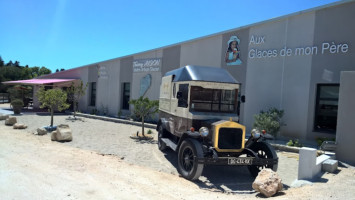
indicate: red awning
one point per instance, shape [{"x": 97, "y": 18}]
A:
[{"x": 38, "y": 81}]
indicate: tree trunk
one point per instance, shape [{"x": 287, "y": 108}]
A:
[
  {"x": 143, "y": 126},
  {"x": 74, "y": 109},
  {"x": 52, "y": 113}
]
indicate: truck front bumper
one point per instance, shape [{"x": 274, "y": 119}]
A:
[{"x": 237, "y": 161}]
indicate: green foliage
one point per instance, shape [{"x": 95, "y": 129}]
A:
[
  {"x": 53, "y": 99},
  {"x": 17, "y": 102},
  {"x": 150, "y": 131},
  {"x": 104, "y": 110},
  {"x": 143, "y": 108},
  {"x": 93, "y": 111},
  {"x": 14, "y": 71},
  {"x": 75, "y": 92},
  {"x": 270, "y": 121},
  {"x": 119, "y": 113},
  {"x": 320, "y": 140},
  {"x": 20, "y": 92},
  {"x": 43, "y": 71},
  {"x": 294, "y": 143}
]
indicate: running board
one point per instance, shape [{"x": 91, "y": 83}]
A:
[{"x": 169, "y": 143}]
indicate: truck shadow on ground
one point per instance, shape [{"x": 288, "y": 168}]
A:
[{"x": 230, "y": 179}]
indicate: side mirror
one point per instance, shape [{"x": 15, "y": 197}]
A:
[
  {"x": 179, "y": 94},
  {"x": 242, "y": 99}
]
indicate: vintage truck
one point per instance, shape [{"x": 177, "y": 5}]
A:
[{"x": 198, "y": 119}]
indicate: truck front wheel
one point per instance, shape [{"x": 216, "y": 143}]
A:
[
  {"x": 263, "y": 150},
  {"x": 188, "y": 166}
]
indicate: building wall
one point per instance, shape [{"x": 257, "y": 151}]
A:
[
  {"x": 125, "y": 75},
  {"x": 153, "y": 90},
  {"x": 264, "y": 75},
  {"x": 331, "y": 26},
  {"x": 346, "y": 114},
  {"x": 171, "y": 59},
  {"x": 82, "y": 73},
  {"x": 281, "y": 62},
  {"x": 204, "y": 52},
  {"x": 107, "y": 93}
]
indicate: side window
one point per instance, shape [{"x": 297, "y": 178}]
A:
[
  {"x": 182, "y": 95},
  {"x": 326, "y": 112},
  {"x": 126, "y": 95}
]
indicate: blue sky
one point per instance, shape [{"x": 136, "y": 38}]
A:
[{"x": 72, "y": 33}]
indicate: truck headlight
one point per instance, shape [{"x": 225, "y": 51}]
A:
[
  {"x": 204, "y": 131},
  {"x": 255, "y": 133}
]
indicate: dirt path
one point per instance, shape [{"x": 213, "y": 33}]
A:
[{"x": 34, "y": 168}]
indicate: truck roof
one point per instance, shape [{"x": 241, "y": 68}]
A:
[{"x": 202, "y": 73}]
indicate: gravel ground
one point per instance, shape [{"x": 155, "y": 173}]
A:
[{"x": 108, "y": 138}]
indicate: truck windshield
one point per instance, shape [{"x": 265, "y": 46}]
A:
[{"x": 213, "y": 100}]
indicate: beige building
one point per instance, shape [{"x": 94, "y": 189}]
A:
[{"x": 292, "y": 63}]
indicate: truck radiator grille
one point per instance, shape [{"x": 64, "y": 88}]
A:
[{"x": 230, "y": 138}]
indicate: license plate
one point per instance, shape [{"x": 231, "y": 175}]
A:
[{"x": 240, "y": 161}]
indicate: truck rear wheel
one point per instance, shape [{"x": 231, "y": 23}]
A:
[
  {"x": 263, "y": 150},
  {"x": 188, "y": 166},
  {"x": 161, "y": 144}
]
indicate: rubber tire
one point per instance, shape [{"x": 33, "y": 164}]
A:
[
  {"x": 161, "y": 144},
  {"x": 187, "y": 165},
  {"x": 263, "y": 150}
]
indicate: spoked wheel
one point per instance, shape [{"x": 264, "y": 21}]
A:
[
  {"x": 188, "y": 166},
  {"x": 161, "y": 144},
  {"x": 263, "y": 150}
]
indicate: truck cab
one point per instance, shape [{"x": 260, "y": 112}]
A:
[{"x": 198, "y": 118}]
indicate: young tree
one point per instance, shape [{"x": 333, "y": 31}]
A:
[
  {"x": 17, "y": 64},
  {"x": 143, "y": 107},
  {"x": 75, "y": 92},
  {"x": 270, "y": 121},
  {"x": 1, "y": 62},
  {"x": 43, "y": 71},
  {"x": 10, "y": 63},
  {"x": 52, "y": 99}
]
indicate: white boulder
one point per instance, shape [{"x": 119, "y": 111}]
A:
[{"x": 267, "y": 183}]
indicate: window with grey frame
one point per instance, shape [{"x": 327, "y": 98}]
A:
[
  {"x": 326, "y": 112},
  {"x": 126, "y": 95},
  {"x": 93, "y": 94}
]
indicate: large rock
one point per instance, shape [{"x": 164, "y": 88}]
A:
[
  {"x": 41, "y": 131},
  {"x": 19, "y": 126},
  {"x": 267, "y": 183},
  {"x": 62, "y": 134},
  {"x": 10, "y": 121},
  {"x": 3, "y": 117}
]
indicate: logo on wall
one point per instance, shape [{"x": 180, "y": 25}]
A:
[
  {"x": 101, "y": 72},
  {"x": 232, "y": 56},
  {"x": 146, "y": 81},
  {"x": 147, "y": 65}
]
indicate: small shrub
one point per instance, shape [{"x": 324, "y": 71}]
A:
[
  {"x": 294, "y": 143},
  {"x": 149, "y": 131},
  {"x": 270, "y": 121},
  {"x": 17, "y": 102},
  {"x": 320, "y": 140},
  {"x": 104, "y": 110},
  {"x": 93, "y": 111},
  {"x": 119, "y": 114}
]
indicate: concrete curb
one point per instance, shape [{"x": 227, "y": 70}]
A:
[
  {"x": 116, "y": 120},
  {"x": 279, "y": 147}
]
